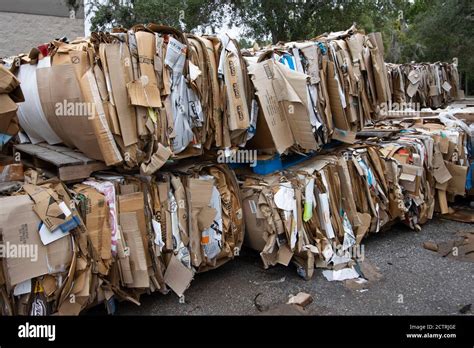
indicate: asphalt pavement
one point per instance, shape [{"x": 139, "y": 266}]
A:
[{"x": 415, "y": 281}]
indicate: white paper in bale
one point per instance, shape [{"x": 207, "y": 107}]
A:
[
  {"x": 180, "y": 106},
  {"x": 175, "y": 56},
  {"x": 186, "y": 107},
  {"x": 214, "y": 233},
  {"x": 285, "y": 200},
  {"x": 30, "y": 113}
]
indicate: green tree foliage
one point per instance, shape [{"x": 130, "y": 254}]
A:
[
  {"x": 185, "y": 14},
  {"x": 282, "y": 20},
  {"x": 445, "y": 29},
  {"x": 413, "y": 30}
]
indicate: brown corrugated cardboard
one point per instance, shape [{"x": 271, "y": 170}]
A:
[
  {"x": 238, "y": 110},
  {"x": 7, "y": 112},
  {"x": 457, "y": 184},
  {"x": 131, "y": 231},
  {"x": 97, "y": 223},
  {"x": 282, "y": 95},
  {"x": 262, "y": 76},
  {"x": 334, "y": 92},
  {"x": 177, "y": 276},
  {"x": 106, "y": 143},
  {"x": 120, "y": 74},
  {"x": 66, "y": 110},
  {"x": 345, "y": 136},
  {"x": 19, "y": 226},
  {"x": 157, "y": 160},
  {"x": 10, "y": 93},
  {"x": 135, "y": 203},
  {"x": 290, "y": 87},
  {"x": 53, "y": 211},
  {"x": 253, "y": 224},
  {"x": 143, "y": 94},
  {"x": 27, "y": 257}
]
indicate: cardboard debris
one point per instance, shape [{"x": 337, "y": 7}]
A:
[
  {"x": 52, "y": 210},
  {"x": 461, "y": 249},
  {"x": 301, "y": 299},
  {"x": 461, "y": 215},
  {"x": 369, "y": 271}
]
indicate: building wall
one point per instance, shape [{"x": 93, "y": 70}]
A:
[{"x": 20, "y": 32}]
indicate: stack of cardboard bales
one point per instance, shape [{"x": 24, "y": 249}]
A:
[
  {"x": 116, "y": 237},
  {"x": 428, "y": 85},
  {"x": 139, "y": 97},
  {"x": 316, "y": 213},
  {"x": 311, "y": 92}
]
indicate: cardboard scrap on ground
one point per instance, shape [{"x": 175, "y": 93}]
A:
[
  {"x": 461, "y": 249},
  {"x": 301, "y": 299},
  {"x": 459, "y": 214}
]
